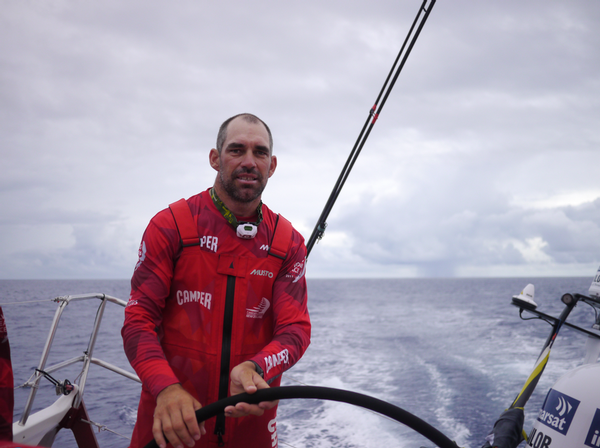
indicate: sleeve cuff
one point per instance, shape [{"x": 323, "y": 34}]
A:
[{"x": 258, "y": 369}]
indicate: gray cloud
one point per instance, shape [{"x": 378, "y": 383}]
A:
[{"x": 481, "y": 163}]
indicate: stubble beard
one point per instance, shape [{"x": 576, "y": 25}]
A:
[{"x": 244, "y": 194}]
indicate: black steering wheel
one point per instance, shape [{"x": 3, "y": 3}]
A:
[{"x": 327, "y": 393}]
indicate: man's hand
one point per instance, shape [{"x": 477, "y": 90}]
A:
[
  {"x": 245, "y": 379},
  {"x": 175, "y": 417}
]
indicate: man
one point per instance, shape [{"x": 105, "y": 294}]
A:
[{"x": 218, "y": 302}]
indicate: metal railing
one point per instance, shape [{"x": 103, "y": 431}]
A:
[{"x": 87, "y": 358}]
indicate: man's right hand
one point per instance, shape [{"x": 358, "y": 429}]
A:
[{"x": 175, "y": 418}]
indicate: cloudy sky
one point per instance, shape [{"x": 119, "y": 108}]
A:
[{"x": 485, "y": 160}]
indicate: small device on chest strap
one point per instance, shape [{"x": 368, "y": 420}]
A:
[{"x": 245, "y": 230}]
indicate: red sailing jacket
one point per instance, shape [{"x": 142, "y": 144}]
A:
[
  {"x": 6, "y": 383},
  {"x": 217, "y": 300}
]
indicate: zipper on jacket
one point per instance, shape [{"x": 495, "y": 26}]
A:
[{"x": 225, "y": 353}]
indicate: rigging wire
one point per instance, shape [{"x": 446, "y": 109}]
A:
[
  {"x": 542, "y": 318},
  {"x": 374, "y": 113},
  {"x": 102, "y": 427}
]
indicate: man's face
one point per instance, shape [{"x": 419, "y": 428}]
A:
[{"x": 245, "y": 163}]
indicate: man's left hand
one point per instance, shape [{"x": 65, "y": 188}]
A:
[{"x": 244, "y": 378}]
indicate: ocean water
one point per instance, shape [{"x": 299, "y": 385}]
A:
[{"x": 454, "y": 352}]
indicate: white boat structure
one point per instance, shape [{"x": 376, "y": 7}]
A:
[{"x": 69, "y": 410}]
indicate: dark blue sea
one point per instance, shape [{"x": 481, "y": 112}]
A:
[{"x": 452, "y": 351}]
